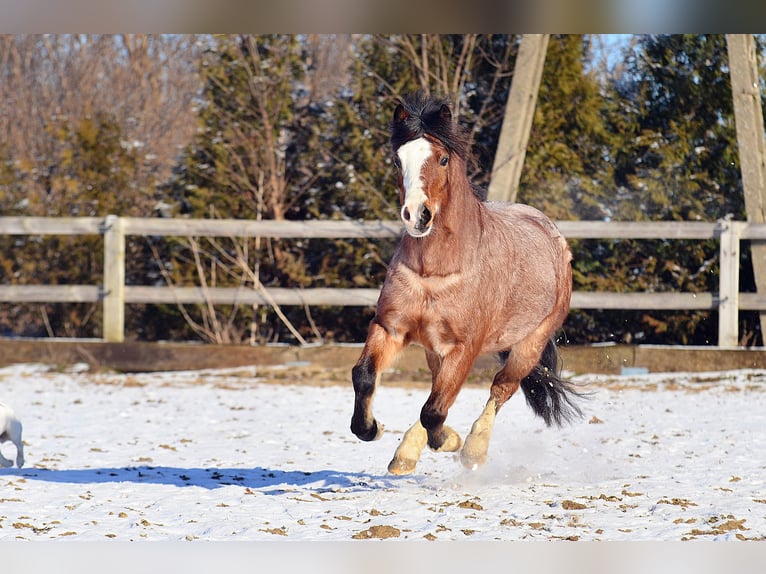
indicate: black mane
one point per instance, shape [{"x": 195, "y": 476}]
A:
[
  {"x": 418, "y": 115},
  {"x": 427, "y": 115}
]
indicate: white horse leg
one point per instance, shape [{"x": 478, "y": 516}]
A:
[
  {"x": 474, "y": 453},
  {"x": 413, "y": 442},
  {"x": 407, "y": 454},
  {"x": 4, "y": 462}
]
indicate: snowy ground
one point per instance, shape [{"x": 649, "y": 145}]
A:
[{"x": 228, "y": 455}]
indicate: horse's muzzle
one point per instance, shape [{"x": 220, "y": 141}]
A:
[{"x": 420, "y": 224}]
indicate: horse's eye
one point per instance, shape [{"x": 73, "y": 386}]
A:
[
  {"x": 397, "y": 163},
  {"x": 444, "y": 160}
]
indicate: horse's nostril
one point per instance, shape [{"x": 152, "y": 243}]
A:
[
  {"x": 425, "y": 216},
  {"x": 405, "y": 214}
]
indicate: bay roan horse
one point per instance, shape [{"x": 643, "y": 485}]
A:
[{"x": 468, "y": 277}]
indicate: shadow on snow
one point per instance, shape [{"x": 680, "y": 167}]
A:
[{"x": 266, "y": 480}]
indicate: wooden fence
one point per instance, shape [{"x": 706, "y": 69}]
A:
[{"x": 114, "y": 294}]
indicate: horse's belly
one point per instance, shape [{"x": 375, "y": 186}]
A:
[
  {"x": 509, "y": 337},
  {"x": 516, "y": 320}
]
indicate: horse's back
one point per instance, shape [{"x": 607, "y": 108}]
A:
[{"x": 527, "y": 227}]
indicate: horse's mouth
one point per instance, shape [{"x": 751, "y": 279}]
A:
[{"x": 418, "y": 233}]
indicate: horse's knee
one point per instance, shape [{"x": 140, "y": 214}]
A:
[
  {"x": 432, "y": 418},
  {"x": 363, "y": 376}
]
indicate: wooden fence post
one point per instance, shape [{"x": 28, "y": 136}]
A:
[
  {"x": 114, "y": 280},
  {"x": 728, "y": 304},
  {"x": 751, "y": 144},
  {"x": 519, "y": 113}
]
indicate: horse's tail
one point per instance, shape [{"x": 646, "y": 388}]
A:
[{"x": 551, "y": 397}]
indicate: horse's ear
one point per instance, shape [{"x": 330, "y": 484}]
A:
[
  {"x": 445, "y": 113},
  {"x": 400, "y": 114}
]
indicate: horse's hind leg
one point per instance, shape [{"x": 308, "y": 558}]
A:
[
  {"x": 521, "y": 360},
  {"x": 379, "y": 351},
  {"x": 413, "y": 442}
]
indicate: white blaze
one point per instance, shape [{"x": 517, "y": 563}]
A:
[{"x": 412, "y": 156}]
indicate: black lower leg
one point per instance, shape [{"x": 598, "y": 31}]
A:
[
  {"x": 433, "y": 421},
  {"x": 363, "y": 424}
]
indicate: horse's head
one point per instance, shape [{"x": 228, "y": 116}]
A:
[
  {"x": 422, "y": 179},
  {"x": 424, "y": 142}
]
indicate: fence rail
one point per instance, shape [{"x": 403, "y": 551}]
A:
[{"x": 114, "y": 294}]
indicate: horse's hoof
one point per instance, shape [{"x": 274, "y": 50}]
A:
[
  {"x": 373, "y": 433},
  {"x": 452, "y": 443},
  {"x": 446, "y": 441},
  {"x": 474, "y": 453},
  {"x": 472, "y": 462},
  {"x": 402, "y": 466}
]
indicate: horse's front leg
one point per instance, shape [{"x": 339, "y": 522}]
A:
[
  {"x": 379, "y": 351},
  {"x": 446, "y": 385},
  {"x": 415, "y": 439}
]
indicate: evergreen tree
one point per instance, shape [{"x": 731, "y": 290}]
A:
[
  {"x": 92, "y": 176},
  {"x": 675, "y": 159},
  {"x": 681, "y": 162},
  {"x": 269, "y": 147},
  {"x": 566, "y": 171}
]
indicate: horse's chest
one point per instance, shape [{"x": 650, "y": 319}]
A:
[
  {"x": 431, "y": 309},
  {"x": 429, "y": 292}
]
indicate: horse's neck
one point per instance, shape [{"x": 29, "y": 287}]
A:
[{"x": 452, "y": 245}]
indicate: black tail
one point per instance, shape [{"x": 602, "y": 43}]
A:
[{"x": 551, "y": 397}]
